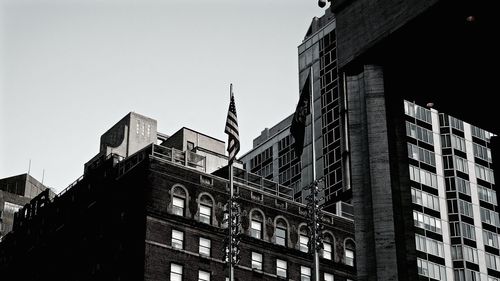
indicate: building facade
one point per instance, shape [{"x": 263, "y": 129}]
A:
[
  {"x": 158, "y": 215},
  {"x": 455, "y": 209}
]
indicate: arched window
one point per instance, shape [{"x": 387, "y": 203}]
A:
[
  {"x": 281, "y": 232},
  {"x": 178, "y": 201},
  {"x": 303, "y": 239},
  {"x": 350, "y": 249},
  {"x": 256, "y": 225},
  {"x": 327, "y": 246},
  {"x": 206, "y": 207}
]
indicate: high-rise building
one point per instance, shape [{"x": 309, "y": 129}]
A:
[{"x": 454, "y": 199}]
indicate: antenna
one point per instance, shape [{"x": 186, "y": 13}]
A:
[
  {"x": 43, "y": 175},
  {"x": 29, "y": 167}
]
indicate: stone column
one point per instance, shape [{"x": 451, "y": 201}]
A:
[{"x": 381, "y": 236}]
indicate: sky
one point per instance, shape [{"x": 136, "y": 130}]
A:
[{"x": 71, "y": 69}]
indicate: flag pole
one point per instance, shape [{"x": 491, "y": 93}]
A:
[
  {"x": 231, "y": 194},
  {"x": 313, "y": 140}
]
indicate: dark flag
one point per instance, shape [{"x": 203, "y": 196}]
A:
[
  {"x": 231, "y": 130},
  {"x": 298, "y": 126}
]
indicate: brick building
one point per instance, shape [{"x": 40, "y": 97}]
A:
[{"x": 157, "y": 215}]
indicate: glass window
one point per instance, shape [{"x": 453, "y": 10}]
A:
[
  {"x": 177, "y": 239},
  {"x": 178, "y": 201},
  {"x": 256, "y": 260},
  {"x": 281, "y": 232},
  {"x": 281, "y": 268},
  {"x": 175, "y": 272},
  {"x": 305, "y": 273},
  {"x": 206, "y": 209},
  {"x": 303, "y": 240},
  {"x": 327, "y": 247},
  {"x": 256, "y": 225},
  {"x": 328, "y": 277},
  {"x": 349, "y": 252},
  {"x": 203, "y": 275},
  {"x": 205, "y": 245}
]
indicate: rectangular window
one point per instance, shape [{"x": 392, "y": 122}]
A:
[
  {"x": 468, "y": 231},
  {"x": 256, "y": 261},
  {"x": 425, "y": 199},
  {"x": 328, "y": 277},
  {"x": 430, "y": 269},
  {"x": 205, "y": 245},
  {"x": 327, "y": 251},
  {"x": 177, "y": 239},
  {"x": 205, "y": 214},
  {"x": 256, "y": 229},
  {"x": 489, "y": 217},
  {"x": 303, "y": 241},
  {"x": 461, "y": 164},
  {"x": 349, "y": 257},
  {"x": 492, "y": 261},
  {"x": 305, "y": 273},
  {"x": 457, "y": 124},
  {"x": 487, "y": 195},
  {"x": 490, "y": 239},
  {"x": 175, "y": 272},
  {"x": 458, "y": 143},
  {"x": 281, "y": 236},
  {"x": 281, "y": 268},
  {"x": 426, "y": 222},
  {"x": 203, "y": 275},
  {"x": 485, "y": 174},
  {"x": 482, "y": 152},
  {"x": 178, "y": 206}
]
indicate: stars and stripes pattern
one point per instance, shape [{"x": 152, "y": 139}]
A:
[{"x": 232, "y": 131}]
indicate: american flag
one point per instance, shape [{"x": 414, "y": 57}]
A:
[{"x": 232, "y": 130}]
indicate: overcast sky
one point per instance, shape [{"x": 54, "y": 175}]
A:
[{"x": 70, "y": 69}]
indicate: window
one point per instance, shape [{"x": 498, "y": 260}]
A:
[
  {"x": 425, "y": 199},
  {"x": 281, "y": 268},
  {"x": 328, "y": 277},
  {"x": 206, "y": 209},
  {"x": 349, "y": 252},
  {"x": 327, "y": 247},
  {"x": 203, "y": 275},
  {"x": 468, "y": 231},
  {"x": 492, "y": 261},
  {"x": 281, "y": 232},
  {"x": 256, "y": 261},
  {"x": 461, "y": 164},
  {"x": 305, "y": 273},
  {"x": 428, "y": 245},
  {"x": 430, "y": 269},
  {"x": 458, "y": 143},
  {"x": 462, "y": 252},
  {"x": 204, "y": 248},
  {"x": 177, "y": 239},
  {"x": 426, "y": 222},
  {"x": 485, "y": 174},
  {"x": 490, "y": 239},
  {"x": 175, "y": 272},
  {"x": 256, "y": 225},
  {"x": 178, "y": 201},
  {"x": 487, "y": 195},
  {"x": 489, "y": 217},
  {"x": 303, "y": 240},
  {"x": 466, "y": 275}
]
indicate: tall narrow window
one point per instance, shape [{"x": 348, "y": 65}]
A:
[
  {"x": 177, "y": 239},
  {"x": 256, "y": 261},
  {"x": 281, "y": 232},
  {"x": 281, "y": 268},
  {"x": 206, "y": 209},
  {"x": 305, "y": 273},
  {"x": 256, "y": 225},
  {"x": 205, "y": 245},
  {"x": 349, "y": 252},
  {"x": 327, "y": 247},
  {"x": 178, "y": 201},
  {"x": 303, "y": 239},
  {"x": 175, "y": 272}
]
